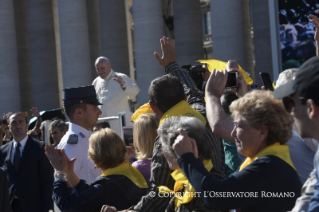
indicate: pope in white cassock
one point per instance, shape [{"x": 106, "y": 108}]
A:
[{"x": 113, "y": 90}]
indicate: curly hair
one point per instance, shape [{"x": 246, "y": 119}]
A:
[
  {"x": 260, "y": 108},
  {"x": 106, "y": 149}
]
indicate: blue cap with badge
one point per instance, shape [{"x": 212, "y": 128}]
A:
[{"x": 84, "y": 94}]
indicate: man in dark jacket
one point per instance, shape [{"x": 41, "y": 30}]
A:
[
  {"x": 4, "y": 193},
  {"x": 30, "y": 174}
]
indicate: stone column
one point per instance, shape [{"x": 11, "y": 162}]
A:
[
  {"x": 249, "y": 48},
  {"x": 188, "y": 31},
  {"x": 148, "y": 29},
  {"x": 228, "y": 31},
  {"x": 23, "y": 52},
  {"x": 94, "y": 33},
  {"x": 74, "y": 38},
  {"x": 262, "y": 41},
  {"x": 43, "y": 55},
  {"x": 9, "y": 80},
  {"x": 114, "y": 34}
]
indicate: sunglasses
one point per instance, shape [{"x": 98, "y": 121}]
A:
[{"x": 289, "y": 102}]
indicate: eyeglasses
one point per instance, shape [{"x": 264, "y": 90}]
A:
[{"x": 289, "y": 102}]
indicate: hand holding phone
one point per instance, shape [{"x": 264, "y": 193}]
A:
[
  {"x": 265, "y": 78},
  {"x": 232, "y": 79}
]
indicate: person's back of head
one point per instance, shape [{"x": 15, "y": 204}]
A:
[
  {"x": 144, "y": 134},
  {"x": 194, "y": 128},
  {"x": 226, "y": 99},
  {"x": 106, "y": 149},
  {"x": 166, "y": 91},
  {"x": 104, "y": 124}
]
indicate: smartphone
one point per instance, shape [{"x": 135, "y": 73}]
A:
[
  {"x": 232, "y": 80},
  {"x": 265, "y": 78},
  {"x": 128, "y": 135}
]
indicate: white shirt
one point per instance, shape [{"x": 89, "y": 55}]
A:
[
  {"x": 114, "y": 98},
  {"x": 83, "y": 166},
  {"x": 15, "y": 143}
]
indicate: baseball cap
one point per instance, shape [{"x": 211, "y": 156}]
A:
[{"x": 305, "y": 83}]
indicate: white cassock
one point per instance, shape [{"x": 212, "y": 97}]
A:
[{"x": 114, "y": 98}]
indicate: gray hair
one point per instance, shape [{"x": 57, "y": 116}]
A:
[
  {"x": 286, "y": 76},
  {"x": 102, "y": 58},
  {"x": 61, "y": 125},
  {"x": 195, "y": 129}
]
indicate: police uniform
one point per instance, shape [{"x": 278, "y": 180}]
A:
[{"x": 76, "y": 141}]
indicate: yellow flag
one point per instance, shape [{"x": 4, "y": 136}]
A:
[{"x": 221, "y": 65}]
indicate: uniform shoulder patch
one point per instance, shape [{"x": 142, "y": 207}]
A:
[{"x": 73, "y": 139}]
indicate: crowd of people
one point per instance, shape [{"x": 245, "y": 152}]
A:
[{"x": 214, "y": 149}]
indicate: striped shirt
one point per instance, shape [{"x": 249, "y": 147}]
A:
[{"x": 160, "y": 171}]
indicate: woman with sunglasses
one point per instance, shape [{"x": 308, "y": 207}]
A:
[{"x": 267, "y": 180}]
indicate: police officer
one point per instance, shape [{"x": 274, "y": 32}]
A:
[{"x": 81, "y": 106}]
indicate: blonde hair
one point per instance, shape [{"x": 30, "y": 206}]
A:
[
  {"x": 144, "y": 134},
  {"x": 260, "y": 108},
  {"x": 106, "y": 149}
]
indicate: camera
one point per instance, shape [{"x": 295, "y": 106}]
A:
[
  {"x": 195, "y": 71},
  {"x": 232, "y": 80}
]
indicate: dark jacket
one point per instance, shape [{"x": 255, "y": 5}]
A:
[
  {"x": 267, "y": 184},
  {"x": 113, "y": 190},
  {"x": 33, "y": 183},
  {"x": 4, "y": 193}
]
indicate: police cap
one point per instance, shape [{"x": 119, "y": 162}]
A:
[{"x": 84, "y": 94}]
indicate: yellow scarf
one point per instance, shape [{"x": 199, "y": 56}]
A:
[
  {"x": 281, "y": 151},
  {"x": 181, "y": 182},
  {"x": 128, "y": 171},
  {"x": 183, "y": 109}
]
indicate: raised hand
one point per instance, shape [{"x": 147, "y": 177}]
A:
[
  {"x": 59, "y": 160},
  {"x": 242, "y": 85},
  {"x": 35, "y": 112},
  {"x": 118, "y": 79},
  {"x": 6, "y": 116},
  {"x": 315, "y": 21},
  {"x": 106, "y": 208},
  {"x": 168, "y": 52},
  {"x": 216, "y": 83}
]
